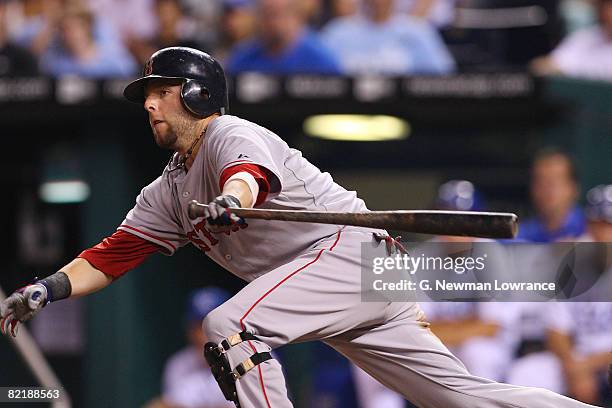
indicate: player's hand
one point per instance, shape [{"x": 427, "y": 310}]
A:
[
  {"x": 219, "y": 218},
  {"x": 21, "y": 306}
]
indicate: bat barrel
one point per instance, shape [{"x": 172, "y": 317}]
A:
[{"x": 471, "y": 224}]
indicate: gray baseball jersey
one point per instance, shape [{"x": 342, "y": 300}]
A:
[{"x": 160, "y": 214}]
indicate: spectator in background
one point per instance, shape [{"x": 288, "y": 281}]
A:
[
  {"x": 237, "y": 24},
  {"x": 343, "y": 8},
  {"x": 381, "y": 41},
  {"x": 580, "y": 335},
  {"x": 577, "y": 14},
  {"x": 207, "y": 14},
  {"x": 174, "y": 29},
  {"x": 554, "y": 192},
  {"x": 312, "y": 12},
  {"x": 187, "y": 379},
  {"x": 75, "y": 49},
  {"x": 39, "y": 20},
  {"x": 440, "y": 13},
  {"x": 586, "y": 53},
  {"x": 471, "y": 329},
  {"x": 599, "y": 213},
  {"x": 284, "y": 44},
  {"x": 130, "y": 19},
  {"x": 579, "y": 332},
  {"x": 14, "y": 60}
]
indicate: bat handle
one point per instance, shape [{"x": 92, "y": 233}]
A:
[{"x": 196, "y": 210}]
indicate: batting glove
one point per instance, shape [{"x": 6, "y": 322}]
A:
[
  {"x": 21, "y": 306},
  {"x": 220, "y": 218}
]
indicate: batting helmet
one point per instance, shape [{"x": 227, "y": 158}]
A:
[
  {"x": 203, "y": 301},
  {"x": 459, "y": 195},
  {"x": 204, "y": 89},
  {"x": 599, "y": 204}
]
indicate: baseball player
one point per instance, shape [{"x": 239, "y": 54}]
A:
[{"x": 304, "y": 280}]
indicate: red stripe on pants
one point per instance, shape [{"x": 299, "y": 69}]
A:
[{"x": 261, "y": 381}]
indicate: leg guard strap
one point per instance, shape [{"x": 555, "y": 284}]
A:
[
  {"x": 250, "y": 363},
  {"x": 235, "y": 339}
]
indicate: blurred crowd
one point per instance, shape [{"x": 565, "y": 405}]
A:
[
  {"x": 562, "y": 346},
  {"x": 113, "y": 38},
  {"x": 565, "y": 347}
]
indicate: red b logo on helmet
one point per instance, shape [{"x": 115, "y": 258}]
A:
[{"x": 148, "y": 69}]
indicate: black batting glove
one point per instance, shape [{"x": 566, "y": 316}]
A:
[{"x": 220, "y": 218}]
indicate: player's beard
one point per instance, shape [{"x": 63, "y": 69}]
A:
[{"x": 178, "y": 127}]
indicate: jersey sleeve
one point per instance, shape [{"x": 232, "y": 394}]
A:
[
  {"x": 258, "y": 173},
  {"x": 240, "y": 145},
  {"x": 155, "y": 219},
  {"x": 119, "y": 253}
]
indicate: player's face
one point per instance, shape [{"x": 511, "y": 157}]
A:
[{"x": 168, "y": 118}]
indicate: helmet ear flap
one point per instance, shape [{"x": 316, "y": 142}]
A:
[
  {"x": 197, "y": 98},
  {"x": 204, "y": 94}
]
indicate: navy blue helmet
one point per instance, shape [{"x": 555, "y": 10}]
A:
[{"x": 204, "y": 88}]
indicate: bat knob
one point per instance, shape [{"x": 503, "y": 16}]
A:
[{"x": 195, "y": 209}]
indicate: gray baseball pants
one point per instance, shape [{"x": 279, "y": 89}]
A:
[{"x": 317, "y": 296}]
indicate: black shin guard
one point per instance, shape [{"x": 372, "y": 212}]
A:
[{"x": 220, "y": 367}]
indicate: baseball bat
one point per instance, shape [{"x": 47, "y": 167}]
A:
[{"x": 460, "y": 223}]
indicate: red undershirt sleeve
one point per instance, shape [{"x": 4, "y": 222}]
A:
[
  {"x": 258, "y": 172},
  {"x": 119, "y": 253}
]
